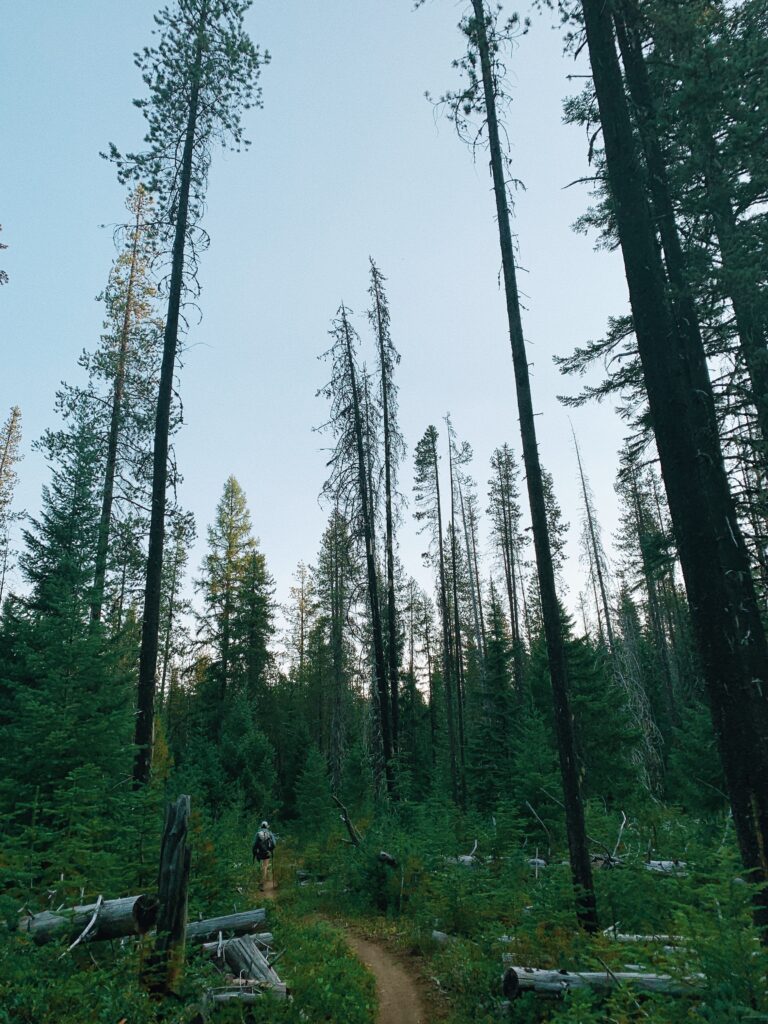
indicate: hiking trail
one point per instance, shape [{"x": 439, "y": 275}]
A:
[{"x": 399, "y": 1001}]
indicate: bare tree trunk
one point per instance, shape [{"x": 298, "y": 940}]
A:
[
  {"x": 581, "y": 868},
  {"x": 145, "y": 709},
  {"x": 163, "y": 968},
  {"x": 595, "y": 551}
]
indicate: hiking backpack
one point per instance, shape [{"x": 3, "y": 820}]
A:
[{"x": 263, "y": 844}]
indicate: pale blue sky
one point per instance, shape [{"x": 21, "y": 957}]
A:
[{"x": 347, "y": 160}]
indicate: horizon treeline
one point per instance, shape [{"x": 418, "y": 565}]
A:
[{"x": 482, "y": 691}]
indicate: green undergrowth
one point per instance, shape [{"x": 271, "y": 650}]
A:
[
  {"x": 98, "y": 983},
  {"x": 501, "y": 910},
  {"x": 45, "y": 985}
]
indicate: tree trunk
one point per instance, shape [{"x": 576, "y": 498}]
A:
[
  {"x": 370, "y": 562},
  {"x": 392, "y": 660},
  {"x": 447, "y": 650},
  {"x": 581, "y": 868},
  {"x": 145, "y": 709},
  {"x": 595, "y": 552},
  {"x": 724, "y": 611}
]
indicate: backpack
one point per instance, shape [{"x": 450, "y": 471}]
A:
[{"x": 263, "y": 844}]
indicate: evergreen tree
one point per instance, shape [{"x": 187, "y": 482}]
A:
[
  {"x": 729, "y": 630},
  {"x": 505, "y": 516},
  {"x": 426, "y": 487},
  {"x": 350, "y": 487},
  {"x": 230, "y": 544},
  {"x": 65, "y": 694},
  {"x": 491, "y": 739},
  {"x": 126, "y": 363},
  {"x": 10, "y": 441},
  {"x": 336, "y": 582},
  {"x": 313, "y": 797},
  {"x": 201, "y": 76},
  {"x": 394, "y": 450}
]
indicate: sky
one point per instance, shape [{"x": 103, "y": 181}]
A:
[{"x": 348, "y": 159}]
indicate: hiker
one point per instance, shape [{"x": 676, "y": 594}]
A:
[{"x": 263, "y": 848}]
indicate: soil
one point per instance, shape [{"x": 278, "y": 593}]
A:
[{"x": 399, "y": 1001}]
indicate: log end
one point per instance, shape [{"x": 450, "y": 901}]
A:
[
  {"x": 145, "y": 913},
  {"x": 510, "y": 984}
]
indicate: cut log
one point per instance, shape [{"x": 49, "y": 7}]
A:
[
  {"x": 162, "y": 970},
  {"x": 231, "y": 925},
  {"x": 517, "y": 980},
  {"x": 131, "y": 915},
  {"x": 248, "y": 964}
]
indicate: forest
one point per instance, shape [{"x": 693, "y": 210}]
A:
[{"x": 496, "y": 795}]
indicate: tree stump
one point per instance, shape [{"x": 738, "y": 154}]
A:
[{"x": 165, "y": 963}]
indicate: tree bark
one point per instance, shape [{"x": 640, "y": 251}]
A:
[{"x": 581, "y": 868}]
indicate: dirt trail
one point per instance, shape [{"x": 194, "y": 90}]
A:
[
  {"x": 398, "y": 996},
  {"x": 399, "y": 1001}
]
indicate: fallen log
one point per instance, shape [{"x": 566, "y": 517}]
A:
[
  {"x": 518, "y": 979},
  {"x": 664, "y": 940},
  {"x": 263, "y": 940},
  {"x": 228, "y": 995},
  {"x": 249, "y": 965},
  {"x": 230, "y": 925},
  {"x": 130, "y": 915},
  {"x": 667, "y": 867}
]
